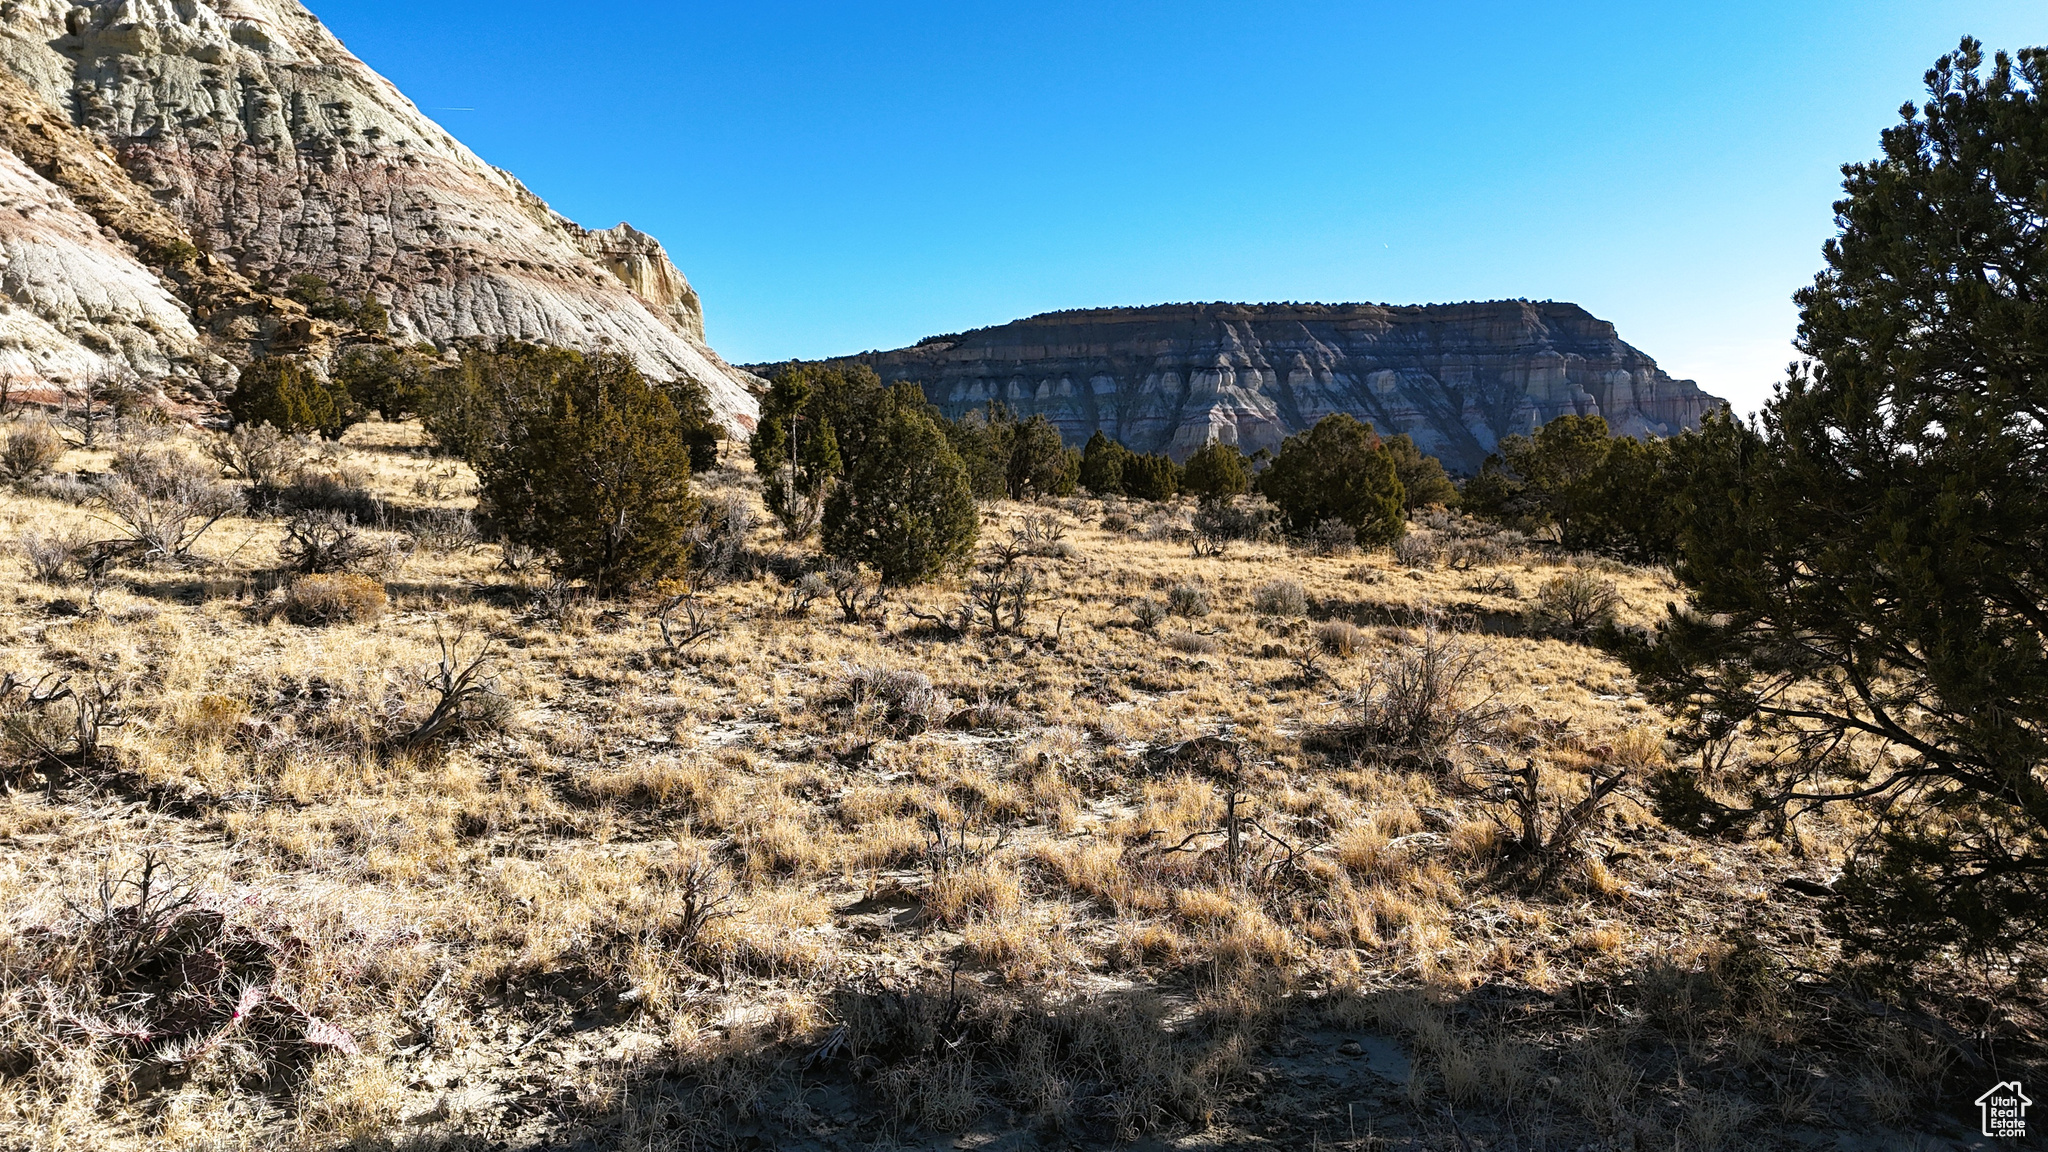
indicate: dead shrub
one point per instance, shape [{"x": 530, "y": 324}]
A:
[
  {"x": 1332, "y": 538},
  {"x": 317, "y": 543},
  {"x": 334, "y": 598},
  {"x": 166, "y": 500},
  {"x": 443, "y": 530},
  {"x": 332, "y": 489},
  {"x": 48, "y": 724},
  {"x": 1148, "y": 613},
  {"x": 684, "y": 621},
  {"x": 903, "y": 701},
  {"x": 704, "y": 895},
  {"x": 803, "y": 592},
  {"x": 1280, "y": 598},
  {"x": 720, "y": 540},
  {"x": 1043, "y": 535},
  {"x": 1418, "y": 550},
  {"x": 259, "y": 454},
  {"x": 989, "y": 715},
  {"x": 1218, "y": 523},
  {"x": 1339, "y": 638},
  {"x": 50, "y": 557},
  {"x": 987, "y": 891},
  {"x": 1418, "y": 707},
  {"x": 1188, "y": 600},
  {"x": 1192, "y": 644},
  {"x": 30, "y": 451},
  {"x": 1497, "y": 584},
  {"x": 150, "y": 977},
  {"x": 1467, "y": 553},
  {"x": 1577, "y": 601},
  {"x": 1543, "y": 839},
  {"x": 946, "y": 1054},
  {"x": 858, "y": 597},
  {"x": 466, "y": 700},
  {"x": 1003, "y": 593}
]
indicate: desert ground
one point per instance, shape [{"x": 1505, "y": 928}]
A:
[{"x": 1131, "y": 861}]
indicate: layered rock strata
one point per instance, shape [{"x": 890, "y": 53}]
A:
[
  {"x": 74, "y": 302},
  {"x": 1455, "y": 377},
  {"x": 273, "y": 152}
]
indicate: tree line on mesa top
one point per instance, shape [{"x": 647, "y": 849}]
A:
[{"x": 1866, "y": 597}]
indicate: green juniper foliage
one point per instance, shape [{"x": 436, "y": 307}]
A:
[
  {"x": 1153, "y": 477},
  {"x": 794, "y": 447},
  {"x": 584, "y": 459},
  {"x": 875, "y": 464},
  {"x": 1868, "y": 581},
  {"x": 391, "y": 382},
  {"x": 1337, "y": 470},
  {"x": 905, "y": 506},
  {"x": 1106, "y": 468},
  {"x": 456, "y": 407},
  {"x": 1423, "y": 481},
  {"x": 983, "y": 440},
  {"x": 699, "y": 428},
  {"x": 322, "y": 302},
  {"x": 1216, "y": 472},
  {"x": 1598, "y": 492},
  {"x": 1039, "y": 464},
  {"x": 1005, "y": 456},
  {"x": 287, "y": 394},
  {"x": 1102, "y": 465}
]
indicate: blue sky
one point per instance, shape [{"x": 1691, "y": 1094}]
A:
[{"x": 837, "y": 177}]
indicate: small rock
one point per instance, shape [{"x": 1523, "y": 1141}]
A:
[{"x": 1352, "y": 1048}]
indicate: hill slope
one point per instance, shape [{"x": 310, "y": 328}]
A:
[{"x": 243, "y": 128}]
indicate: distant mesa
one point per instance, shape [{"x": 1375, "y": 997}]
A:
[{"x": 1454, "y": 377}]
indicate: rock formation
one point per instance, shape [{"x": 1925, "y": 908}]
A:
[
  {"x": 73, "y": 298},
  {"x": 225, "y": 145},
  {"x": 1455, "y": 377}
]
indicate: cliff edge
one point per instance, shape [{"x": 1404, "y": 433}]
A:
[{"x": 1455, "y": 377}]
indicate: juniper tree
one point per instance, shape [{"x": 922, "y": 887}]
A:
[
  {"x": 1869, "y": 590},
  {"x": 984, "y": 440},
  {"x": 587, "y": 461},
  {"x": 1422, "y": 478},
  {"x": 1337, "y": 470},
  {"x": 905, "y": 506},
  {"x": 1038, "y": 464},
  {"x": 1546, "y": 481},
  {"x": 1598, "y": 492},
  {"x": 287, "y": 394},
  {"x": 1151, "y": 477},
  {"x": 390, "y": 381},
  {"x": 1216, "y": 472},
  {"x": 1102, "y": 465},
  {"x": 795, "y": 448}
]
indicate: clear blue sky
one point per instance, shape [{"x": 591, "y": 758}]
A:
[{"x": 841, "y": 176}]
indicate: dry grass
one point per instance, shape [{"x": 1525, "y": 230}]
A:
[{"x": 964, "y": 886}]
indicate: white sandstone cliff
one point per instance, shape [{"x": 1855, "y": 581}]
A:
[
  {"x": 279, "y": 153},
  {"x": 74, "y": 303}
]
